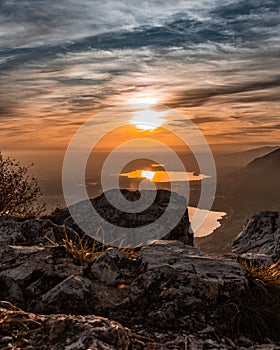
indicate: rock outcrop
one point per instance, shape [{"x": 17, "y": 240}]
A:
[
  {"x": 64, "y": 332},
  {"x": 69, "y": 332},
  {"x": 165, "y": 283},
  {"x": 166, "y": 295},
  {"x": 177, "y": 286},
  {"x": 260, "y": 238},
  {"x": 181, "y": 232}
]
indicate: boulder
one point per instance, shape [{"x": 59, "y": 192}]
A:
[
  {"x": 182, "y": 231},
  {"x": 13, "y": 281},
  {"x": 74, "y": 332},
  {"x": 169, "y": 284},
  {"x": 71, "y": 295},
  {"x": 169, "y": 294},
  {"x": 260, "y": 239},
  {"x": 178, "y": 285},
  {"x": 30, "y": 231},
  {"x": 67, "y": 332},
  {"x": 113, "y": 267},
  {"x": 26, "y": 273}
]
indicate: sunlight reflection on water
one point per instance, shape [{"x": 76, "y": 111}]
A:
[{"x": 163, "y": 176}]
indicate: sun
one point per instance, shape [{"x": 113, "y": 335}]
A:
[
  {"x": 148, "y": 119},
  {"x": 148, "y": 174},
  {"x": 146, "y": 115}
]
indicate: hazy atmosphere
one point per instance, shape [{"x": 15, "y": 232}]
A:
[
  {"x": 216, "y": 64},
  {"x": 62, "y": 62},
  {"x": 139, "y": 174}
]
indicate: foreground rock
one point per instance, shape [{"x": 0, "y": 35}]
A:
[
  {"x": 182, "y": 231},
  {"x": 260, "y": 239},
  {"x": 167, "y": 295},
  {"x": 24, "y": 232},
  {"x": 170, "y": 285},
  {"x": 27, "y": 273},
  {"x": 178, "y": 286},
  {"x": 22, "y": 330},
  {"x": 61, "y": 332},
  {"x": 171, "y": 295}
]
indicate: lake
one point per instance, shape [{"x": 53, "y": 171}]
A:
[{"x": 212, "y": 222}]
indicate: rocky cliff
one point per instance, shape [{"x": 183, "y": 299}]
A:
[
  {"x": 166, "y": 295},
  {"x": 124, "y": 219},
  {"x": 260, "y": 237}
]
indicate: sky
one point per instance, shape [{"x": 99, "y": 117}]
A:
[{"x": 63, "y": 62}]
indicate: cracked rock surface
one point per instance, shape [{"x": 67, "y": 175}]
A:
[{"x": 167, "y": 296}]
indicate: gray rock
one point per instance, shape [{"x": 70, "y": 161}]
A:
[
  {"x": 171, "y": 295},
  {"x": 189, "y": 260},
  {"x": 118, "y": 218},
  {"x": 108, "y": 267},
  {"x": 163, "y": 252},
  {"x": 178, "y": 284},
  {"x": 70, "y": 332},
  {"x": 15, "y": 231},
  {"x": 13, "y": 281},
  {"x": 260, "y": 237},
  {"x": 27, "y": 273},
  {"x": 69, "y": 295}
]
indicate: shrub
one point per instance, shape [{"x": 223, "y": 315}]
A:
[
  {"x": 256, "y": 314},
  {"x": 260, "y": 313},
  {"x": 19, "y": 192}
]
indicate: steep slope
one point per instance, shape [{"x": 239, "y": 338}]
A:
[
  {"x": 241, "y": 159},
  {"x": 269, "y": 163},
  {"x": 244, "y": 192}
]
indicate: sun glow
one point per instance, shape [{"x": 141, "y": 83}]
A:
[
  {"x": 148, "y": 119},
  {"x": 165, "y": 176},
  {"x": 148, "y": 174},
  {"x": 145, "y": 100},
  {"x": 146, "y": 115}
]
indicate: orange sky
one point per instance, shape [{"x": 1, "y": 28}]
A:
[
  {"x": 217, "y": 63},
  {"x": 33, "y": 133}
]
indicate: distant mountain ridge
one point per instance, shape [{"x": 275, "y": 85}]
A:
[
  {"x": 246, "y": 191},
  {"x": 243, "y": 158},
  {"x": 260, "y": 179},
  {"x": 267, "y": 163}
]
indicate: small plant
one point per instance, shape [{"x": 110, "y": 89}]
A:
[
  {"x": 257, "y": 315},
  {"x": 79, "y": 247},
  {"x": 19, "y": 192},
  {"x": 264, "y": 278},
  {"x": 17, "y": 324},
  {"x": 81, "y": 250},
  {"x": 131, "y": 253}
]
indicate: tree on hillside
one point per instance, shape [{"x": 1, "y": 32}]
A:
[{"x": 19, "y": 191}]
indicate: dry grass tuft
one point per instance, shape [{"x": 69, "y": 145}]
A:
[
  {"x": 258, "y": 313},
  {"x": 267, "y": 276},
  {"x": 81, "y": 250},
  {"x": 79, "y": 247},
  {"x": 17, "y": 324}
]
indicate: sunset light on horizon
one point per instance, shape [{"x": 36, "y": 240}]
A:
[
  {"x": 139, "y": 173},
  {"x": 194, "y": 57},
  {"x": 148, "y": 174}
]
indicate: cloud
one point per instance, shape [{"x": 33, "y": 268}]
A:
[
  {"x": 199, "y": 97},
  {"x": 60, "y": 62}
]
